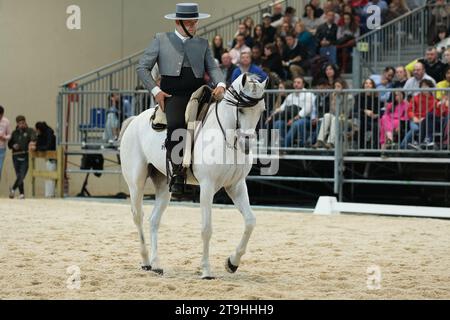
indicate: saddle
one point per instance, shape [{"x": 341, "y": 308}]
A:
[{"x": 196, "y": 111}]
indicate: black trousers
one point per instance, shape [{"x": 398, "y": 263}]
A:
[
  {"x": 21, "y": 167},
  {"x": 175, "y": 109}
]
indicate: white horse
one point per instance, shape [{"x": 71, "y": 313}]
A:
[{"x": 143, "y": 155}]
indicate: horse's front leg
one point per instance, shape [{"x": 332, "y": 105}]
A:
[
  {"x": 239, "y": 195},
  {"x": 206, "y": 200}
]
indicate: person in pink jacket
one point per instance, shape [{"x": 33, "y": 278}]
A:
[{"x": 395, "y": 112}]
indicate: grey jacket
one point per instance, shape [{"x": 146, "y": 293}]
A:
[{"x": 168, "y": 50}]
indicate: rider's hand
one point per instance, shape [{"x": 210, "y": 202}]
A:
[
  {"x": 160, "y": 97},
  {"x": 218, "y": 93}
]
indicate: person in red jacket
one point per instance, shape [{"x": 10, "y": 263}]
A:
[{"x": 422, "y": 107}]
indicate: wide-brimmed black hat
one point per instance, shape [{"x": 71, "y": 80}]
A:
[{"x": 187, "y": 11}]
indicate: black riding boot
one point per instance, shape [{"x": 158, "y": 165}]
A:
[{"x": 178, "y": 180}]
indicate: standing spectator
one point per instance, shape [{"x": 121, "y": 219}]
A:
[
  {"x": 217, "y": 48},
  {"x": 327, "y": 7},
  {"x": 268, "y": 31},
  {"x": 227, "y": 68},
  {"x": 310, "y": 20},
  {"x": 418, "y": 75},
  {"x": 442, "y": 33},
  {"x": 433, "y": 67},
  {"x": 5, "y": 135},
  {"x": 246, "y": 65},
  {"x": 326, "y": 36},
  {"x": 395, "y": 112},
  {"x": 444, "y": 84},
  {"x": 238, "y": 49},
  {"x": 346, "y": 40},
  {"x": 46, "y": 141},
  {"x": 384, "y": 81},
  {"x": 19, "y": 144},
  {"x": 272, "y": 61},
  {"x": 295, "y": 59}
]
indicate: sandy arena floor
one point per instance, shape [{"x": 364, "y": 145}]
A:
[{"x": 290, "y": 255}]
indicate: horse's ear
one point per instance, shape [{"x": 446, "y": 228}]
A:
[
  {"x": 244, "y": 80},
  {"x": 266, "y": 83}
]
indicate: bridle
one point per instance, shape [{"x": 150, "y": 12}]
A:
[{"x": 240, "y": 101}]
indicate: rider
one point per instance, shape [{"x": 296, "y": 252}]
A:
[{"x": 183, "y": 59}]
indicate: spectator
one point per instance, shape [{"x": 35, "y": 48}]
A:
[
  {"x": 315, "y": 4},
  {"x": 423, "y": 112},
  {"x": 346, "y": 40},
  {"x": 310, "y": 20},
  {"x": 280, "y": 44},
  {"x": 295, "y": 59},
  {"x": 327, "y": 7},
  {"x": 326, "y": 36},
  {"x": 366, "y": 110},
  {"x": 112, "y": 123},
  {"x": 281, "y": 97},
  {"x": 330, "y": 74},
  {"x": 418, "y": 75},
  {"x": 257, "y": 54},
  {"x": 19, "y": 144},
  {"x": 46, "y": 141},
  {"x": 396, "y": 9},
  {"x": 277, "y": 11},
  {"x": 289, "y": 17},
  {"x": 322, "y": 105},
  {"x": 268, "y": 31},
  {"x": 305, "y": 38},
  {"x": 347, "y": 8},
  {"x": 446, "y": 57},
  {"x": 296, "y": 113},
  {"x": 328, "y": 127},
  {"x": 401, "y": 76},
  {"x": 440, "y": 15},
  {"x": 444, "y": 84},
  {"x": 243, "y": 30},
  {"x": 379, "y": 3},
  {"x": 285, "y": 29},
  {"x": 246, "y": 65},
  {"x": 258, "y": 36},
  {"x": 433, "y": 67},
  {"x": 238, "y": 49},
  {"x": 5, "y": 135},
  {"x": 249, "y": 23},
  {"x": 217, "y": 48},
  {"x": 395, "y": 112},
  {"x": 384, "y": 81},
  {"x": 272, "y": 61},
  {"x": 442, "y": 33},
  {"x": 227, "y": 68}
]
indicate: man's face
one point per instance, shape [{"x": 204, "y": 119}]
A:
[
  {"x": 298, "y": 83},
  {"x": 246, "y": 60},
  {"x": 22, "y": 124},
  {"x": 290, "y": 41},
  {"x": 242, "y": 28},
  {"x": 226, "y": 59},
  {"x": 191, "y": 26},
  {"x": 240, "y": 41},
  {"x": 256, "y": 53},
  {"x": 278, "y": 9},
  {"x": 400, "y": 73},
  {"x": 389, "y": 75},
  {"x": 431, "y": 55},
  {"x": 419, "y": 71},
  {"x": 267, "y": 21},
  {"x": 330, "y": 17}
]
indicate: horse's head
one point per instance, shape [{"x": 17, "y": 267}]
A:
[{"x": 246, "y": 94}]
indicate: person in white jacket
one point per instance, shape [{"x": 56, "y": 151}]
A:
[{"x": 295, "y": 113}]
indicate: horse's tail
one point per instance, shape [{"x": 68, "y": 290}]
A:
[{"x": 125, "y": 125}]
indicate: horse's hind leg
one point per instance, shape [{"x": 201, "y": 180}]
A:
[
  {"x": 239, "y": 195},
  {"x": 162, "y": 198}
]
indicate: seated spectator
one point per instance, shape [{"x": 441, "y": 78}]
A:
[
  {"x": 281, "y": 97},
  {"x": 443, "y": 84},
  {"x": 310, "y": 20},
  {"x": 396, "y": 9},
  {"x": 442, "y": 33},
  {"x": 366, "y": 111},
  {"x": 244, "y": 31},
  {"x": 315, "y": 4},
  {"x": 384, "y": 81},
  {"x": 112, "y": 123},
  {"x": 289, "y": 17},
  {"x": 296, "y": 113},
  {"x": 401, "y": 76},
  {"x": 305, "y": 38},
  {"x": 20, "y": 144},
  {"x": 346, "y": 40},
  {"x": 217, "y": 48},
  {"x": 433, "y": 67},
  {"x": 327, "y": 132},
  {"x": 257, "y": 54},
  {"x": 258, "y": 36},
  {"x": 329, "y": 6},
  {"x": 246, "y": 65},
  {"x": 295, "y": 59},
  {"x": 281, "y": 46},
  {"x": 395, "y": 112},
  {"x": 268, "y": 31},
  {"x": 238, "y": 49},
  {"x": 446, "y": 57},
  {"x": 227, "y": 68},
  {"x": 285, "y": 29},
  {"x": 330, "y": 74},
  {"x": 347, "y": 8},
  {"x": 272, "y": 61},
  {"x": 249, "y": 23},
  {"x": 421, "y": 111},
  {"x": 418, "y": 75},
  {"x": 326, "y": 36},
  {"x": 277, "y": 11},
  {"x": 321, "y": 106},
  {"x": 5, "y": 135}
]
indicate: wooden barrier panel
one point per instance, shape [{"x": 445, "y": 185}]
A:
[{"x": 47, "y": 175}]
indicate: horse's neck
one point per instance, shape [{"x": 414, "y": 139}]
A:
[{"x": 226, "y": 114}]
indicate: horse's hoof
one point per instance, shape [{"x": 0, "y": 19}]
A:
[
  {"x": 158, "y": 271},
  {"x": 208, "y": 278},
  {"x": 230, "y": 267},
  {"x": 146, "y": 268}
]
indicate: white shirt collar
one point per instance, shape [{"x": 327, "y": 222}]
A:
[{"x": 179, "y": 35}]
